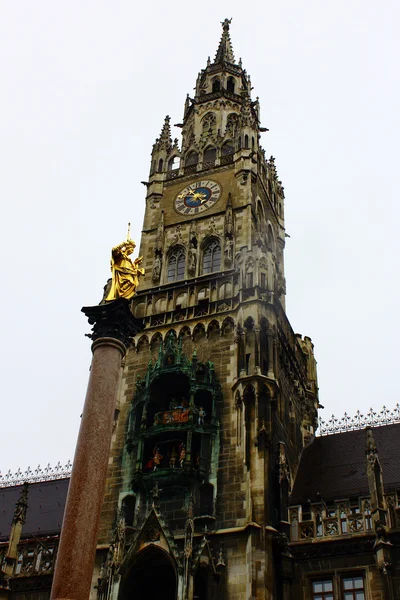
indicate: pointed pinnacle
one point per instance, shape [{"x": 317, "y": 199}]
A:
[
  {"x": 166, "y": 130},
  {"x": 225, "y": 50}
]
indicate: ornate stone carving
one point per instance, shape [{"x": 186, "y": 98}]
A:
[{"x": 113, "y": 320}]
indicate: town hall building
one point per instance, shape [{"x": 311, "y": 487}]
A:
[{"x": 220, "y": 485}]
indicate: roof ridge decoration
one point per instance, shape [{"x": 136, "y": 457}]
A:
[
  {"x": 48, "y": 473},
  {"x": 360, "y": 421},
  {"x": 225, "y": 50}
]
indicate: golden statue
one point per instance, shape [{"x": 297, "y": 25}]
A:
[{"x": 125, "y": 272}]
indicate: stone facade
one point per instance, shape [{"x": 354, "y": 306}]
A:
[
  {"x": 217, "y": 487},
  {"x": 213, "y": 297}
]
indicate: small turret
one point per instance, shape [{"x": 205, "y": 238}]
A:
[{"x": 162, "y": 148}]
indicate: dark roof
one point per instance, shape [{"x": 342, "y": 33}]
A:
[
  {"x": 46, "y": 503},
  {"x": 335, "y": 466}
]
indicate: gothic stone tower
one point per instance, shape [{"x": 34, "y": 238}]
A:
[{"x": 219, "y": 395}]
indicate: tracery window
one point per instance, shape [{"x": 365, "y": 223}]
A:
[
  {"x": 212, "y": 257},
  {"x": 176, "y": 265},
  {"x": 231, "y": 124},
  {"x": 209, "y": 124}
]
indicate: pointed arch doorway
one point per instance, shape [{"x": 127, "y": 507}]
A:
[{"x": 151, "y": 575}]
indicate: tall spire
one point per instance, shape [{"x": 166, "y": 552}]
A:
[{"x": 225, "y": 51}]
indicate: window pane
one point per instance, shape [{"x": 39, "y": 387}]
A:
[
  {"x": 328, "y": 586},
  {"x": 216, "y": 259},
  {"x": 171, "y": 268},
  {"x": 181, "y": 267},
  {"x": 358, "y": 583},
  {"x": 360, "y": 596},
  {"x": 317, "y": 586},
  {"x": 207, "y": 261},
  {"x": 348, "y": 596}
]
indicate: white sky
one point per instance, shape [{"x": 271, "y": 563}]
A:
[{"x": 85, "y": 86}]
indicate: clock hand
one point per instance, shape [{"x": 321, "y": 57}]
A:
[{"x": 189, "y": 193}]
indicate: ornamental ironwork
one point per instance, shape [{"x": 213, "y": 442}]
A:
[
  {"x": 47, "y": 473},
  {"x": 359, "y": 421}
]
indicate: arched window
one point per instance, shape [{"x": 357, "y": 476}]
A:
[
  {"x": 230, "y": 85},
  {"x": 176, "y": 265},
  {"x": 216, "y": 85},
  {"x": 227, "y": 149},
  {"x": 212, "y": 257},
  {"x": 246, "y": 141},
  {"x": 160, "y": 165},
  {"x": 173, "y": 163},
  {"x": 209, "y": 157},
  {"x": 191, "y": 159}
]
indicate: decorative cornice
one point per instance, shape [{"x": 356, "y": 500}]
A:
[{"x": 359, "y": 421}]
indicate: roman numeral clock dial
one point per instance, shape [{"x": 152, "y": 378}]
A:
[{"x": 197, "y": 197}]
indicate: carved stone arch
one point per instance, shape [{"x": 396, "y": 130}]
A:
[
  {"x": 127, "y": 502},
  {"x": 199, "y": 332},
  {"x": 185, "y": 331},
  {"x": 232, "y": 122},
  {"x": 225, "y": 290},
  {"x": 228, "y": 148},
  {"x": 143, "y": 344},
  {"x": 263, "y": 264},
  {"x": 140, "y": 310},
  {"x": 140, "y": 575},
  {"x": 270, "y": 237},
  {"x": 260, "y": 215},
  {"x": 160, "y": 305},
  {"x": 185, "y": 335},
  {"x": 181, "y": 300},
  {"x": 174, "y": 162},
  {"x": 208, "y": 123},
  {"x": 209, "y": 156},
  {"x": 249, "y": 323},
  {"x": 228, "y": 326},
  {"x": 213, "y": 330},
  {"x": 216, "y": 84},
  {"x": 170, "y": 332},
  {"x": 155, "y": 341},
  {"x": 238, "y": 400},
  {"x": 191, "y": 157}
]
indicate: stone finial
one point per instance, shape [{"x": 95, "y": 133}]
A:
[
  {"x": 164, "y": 142},
  {"x": 225, "y": 50}
]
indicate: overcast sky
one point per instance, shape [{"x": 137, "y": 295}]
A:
[{"x": 85, "y": 86}]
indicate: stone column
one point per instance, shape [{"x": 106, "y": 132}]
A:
[{"x": 113, "y": 328}]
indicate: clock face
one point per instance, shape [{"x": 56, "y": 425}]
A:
[{"x": 197, "y": 197}]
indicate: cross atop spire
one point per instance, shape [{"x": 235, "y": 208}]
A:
[{"x": 225, "y": 51}]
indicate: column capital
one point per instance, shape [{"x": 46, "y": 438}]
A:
[{"x": 113, "y": 320}]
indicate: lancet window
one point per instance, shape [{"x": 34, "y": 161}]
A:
[
  {"x": 176, "y": 264},
  {"x": 212, "y": 257},
  {"x": 230, "y": 85}
]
